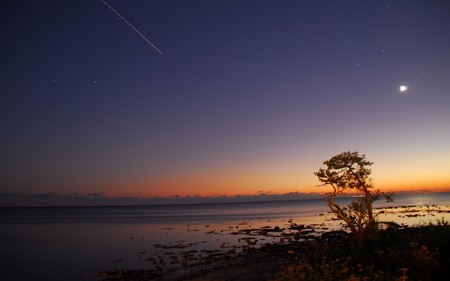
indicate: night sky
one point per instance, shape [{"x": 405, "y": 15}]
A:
[{"x": 248, "y": 97}]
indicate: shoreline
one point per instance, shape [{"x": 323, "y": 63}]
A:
[
  {"x": 259, "y": 259},
  {"x": 56, "y": 200}
]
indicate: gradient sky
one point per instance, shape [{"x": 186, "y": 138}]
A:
[{"x": 248, "y": 96}]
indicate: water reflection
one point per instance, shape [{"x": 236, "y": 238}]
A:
[{"x": 69, "y": 243}]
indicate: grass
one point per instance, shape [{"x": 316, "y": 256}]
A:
[{"x": 415, "y": 253}]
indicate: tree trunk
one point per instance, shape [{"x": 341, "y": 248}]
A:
[{"x": 369, "y": 204}]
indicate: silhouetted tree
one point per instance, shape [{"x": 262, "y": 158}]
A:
[{"x": 351, "y": 171}]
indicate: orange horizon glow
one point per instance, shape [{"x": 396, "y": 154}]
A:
[
  {"x": 249, "y": 187},
  {"x": 231, "y": 195},
  {"x": 277, "y": 178}
]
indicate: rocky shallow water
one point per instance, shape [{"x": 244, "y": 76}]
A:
[{"x": 259, "y": 252}]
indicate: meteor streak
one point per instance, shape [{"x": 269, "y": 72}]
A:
[{"x": 134, "y": 28}]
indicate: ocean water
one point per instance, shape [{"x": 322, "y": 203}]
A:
[{"x": 72, "y": 243}]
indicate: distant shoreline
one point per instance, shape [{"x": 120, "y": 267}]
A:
[{"x": 18, "y": 200}]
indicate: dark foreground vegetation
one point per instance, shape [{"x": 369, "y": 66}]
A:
[
  {"x": 417, "y": 253},
  {"x": 395, "y": 253}
]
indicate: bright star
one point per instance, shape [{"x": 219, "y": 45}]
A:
[{"x": 403, "y": 88}]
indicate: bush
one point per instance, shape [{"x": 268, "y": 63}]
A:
[{"x": 422, "y": 252}]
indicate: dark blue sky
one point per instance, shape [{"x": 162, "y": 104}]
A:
[{"x": 248, "y": 96}]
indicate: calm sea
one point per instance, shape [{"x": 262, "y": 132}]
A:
[{"x": 72, "y": 243}]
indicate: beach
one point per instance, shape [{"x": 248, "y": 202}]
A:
[{"x": 88, "y": 243}]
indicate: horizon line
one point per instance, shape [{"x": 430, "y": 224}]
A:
[{"x": 26, "y": 199}]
